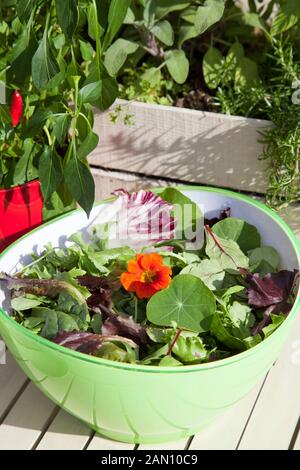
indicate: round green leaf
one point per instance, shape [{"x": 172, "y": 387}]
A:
[
  {"x": 244, "y": 234},
  {"x": 187, "y": 301}
]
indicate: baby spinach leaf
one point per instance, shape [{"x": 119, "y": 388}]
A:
[
  {"x": 209, "y": 271},
  {"x": 264, "y": 260},
  {"x": 244, "y": 234},
  {"x": 226, "y": 252},
  {"x": 187, "y": 301}
]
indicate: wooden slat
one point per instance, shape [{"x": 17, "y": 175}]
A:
[
  {"x": 101, "y": 443},
  {"x": 225, "y": 432},
  {"x": 12, "y": 379},
  {"x": 274, "y": 419},
  {"x": 108, "y": 181},
  {"x": 184, "y": 144},
  {"x": 27, "y": 419},
  {"x": 65, "y": 433},
  {"x": 173, "y": 445}
]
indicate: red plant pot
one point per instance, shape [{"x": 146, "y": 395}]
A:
[{"x": 20, "y": 211}]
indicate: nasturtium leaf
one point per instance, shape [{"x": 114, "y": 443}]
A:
[
  {"x": 209, "y": 271},
  {"x": 226, "y": 252},
  {"x": 187, "y": 301},
  {"x": 213, "y": 64},
  {"x": 177, "y": 65},
  {"x": 244, "y": 234},
  {"x": 50, "y": 172},
  {"x": 264, "y": 260},
  {"x": 67, "y": 14},
  {"x": 44, "y": 64}
]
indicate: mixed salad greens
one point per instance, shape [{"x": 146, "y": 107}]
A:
[{"x": 167, "y": 302}]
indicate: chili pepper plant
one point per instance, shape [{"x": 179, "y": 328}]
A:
[{"x": 51, "y": 63}]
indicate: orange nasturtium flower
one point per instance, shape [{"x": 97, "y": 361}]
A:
[{"x": 146, "y": 275}]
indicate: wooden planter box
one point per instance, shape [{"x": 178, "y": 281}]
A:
[{"x": 182, "y": 145}]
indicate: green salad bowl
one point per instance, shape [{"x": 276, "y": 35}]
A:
[{"x": 145, "y": 404}]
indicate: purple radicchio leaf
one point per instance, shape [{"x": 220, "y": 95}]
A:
[
  {"x": 87, "y": 343},
  {"x": 271, "y": 289},
  {"x": 224, "y": 213},
  {"x": 143, "y": 219}
]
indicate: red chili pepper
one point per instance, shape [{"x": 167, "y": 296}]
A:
[{"x": 16, "y": 108}]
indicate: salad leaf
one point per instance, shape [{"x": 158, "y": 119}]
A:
[
  {"x": 124, "y": 325},
  {"x": 276, "y": 321},
  {"x": 24, "y": 303},
  {"x": 187, "y": 301},
  {"x": 226, "y": 252},
  {"x": 209, "y": 271},
  {"x": 190, "y": 350},
  {"x": 264, "y": 260},
  {"x": 244, "y": 234},
  {"x": 271, "y": 289}
]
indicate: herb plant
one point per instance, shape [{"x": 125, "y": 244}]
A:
[{"x": 162, "y": 302}]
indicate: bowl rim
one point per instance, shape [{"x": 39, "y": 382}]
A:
[{"x": 156, "y": 369}]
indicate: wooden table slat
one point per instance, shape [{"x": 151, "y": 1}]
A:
[
  {"x": 27, "y": 419},
  {"x": 65, "y": 433},
  {"x": 225, "y": 432},
  {"x": 12, "y": 379},
  {"x": 274, "y": 419}
]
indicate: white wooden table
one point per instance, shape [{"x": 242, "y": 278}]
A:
[{"x": 268, "y": 418}]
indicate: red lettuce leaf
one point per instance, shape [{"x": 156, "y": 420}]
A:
[
  {"x": 271, "y": 289},
  {"x": 87, "y": 343},
  {"x": 124, "y": 325}
]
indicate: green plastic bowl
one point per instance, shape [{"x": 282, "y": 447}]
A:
[{"x": 145, "y": 404}]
